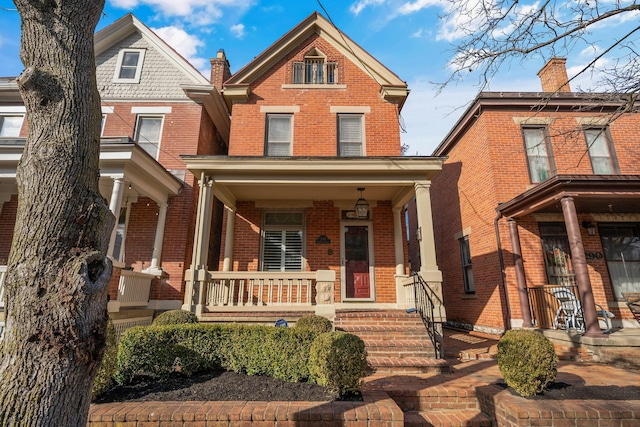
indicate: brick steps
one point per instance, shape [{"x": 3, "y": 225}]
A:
[
  {"x": 447, "y": 418},
  {"x": 408, "y": 365}
]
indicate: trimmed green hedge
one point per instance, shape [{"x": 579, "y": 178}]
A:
[
  {"x": 316, "y": 323},
  {"x": 527, "y": 361},
  {"x": 334, "y": 359},
  {"x": 175, "y": 317}
]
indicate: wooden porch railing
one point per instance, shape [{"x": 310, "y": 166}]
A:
[
  {"x": 134, "y": 287},
  {"x": 259, "y": 289},
  {"x": 3, "y": 274},
  {"x": 544, "y": 305}
]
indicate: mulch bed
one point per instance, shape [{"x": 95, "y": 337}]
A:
[
  {"x": 218, "y": 386},
  {"x": 562, "y": 391}
]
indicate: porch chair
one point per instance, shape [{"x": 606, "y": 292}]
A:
[{"x": 570, "y": 315}]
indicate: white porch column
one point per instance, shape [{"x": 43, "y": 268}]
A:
[
  {"x": 197, "y": 276},
  {"x": 157, "y": 243},
  {"x": 228, "y": 239},
  {"x": 428, "y": 265},
  {"x": 397, "y": 239},
  {"x": 115, "y": 203}
]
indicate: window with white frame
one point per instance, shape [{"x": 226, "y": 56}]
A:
[
  {"x": 350, "y": 135},
  {"x": 601, "y": 153},
  {"x": 10, "y": 125},
  {"x": 315, "y": 69},
  {"x": 129, "y": 66},
  {"x": 148, "y": 132},
  {"x": 283, "y": 241},
  {"x": 279, "y": 135},
  {"x": 467, "y": 271},
  {"x": 540, "y": 163}
]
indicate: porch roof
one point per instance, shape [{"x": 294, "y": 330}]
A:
[
  {"x": 592, "y": 194},
  {"x": 304, "y": 179}
]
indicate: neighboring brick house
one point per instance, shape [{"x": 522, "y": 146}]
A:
[
  {"x": 156, "y": 107},
  {"x": 539, "y": 191},
  {"x": 314, "y": 139}
]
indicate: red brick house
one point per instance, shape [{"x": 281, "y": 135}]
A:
[
  {"x": 540, "y": 191},
  {"x": 156, "y": 107},
  {"x": 314, "y": 186}
]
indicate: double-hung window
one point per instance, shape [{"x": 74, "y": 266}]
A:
[
  {"x": 147, "y": 135},
  {"x": 10, "y": 125},
  {"x": 279, "y": 135},
  {"x": 350, "y": 135},
  {"x": 601, "y": 153},
  {"x": 129, "y": 66},
  {"x": 283, "y": 241},
  {"x": 467, "y": 271},
  {"x": 538, "y": 153}
]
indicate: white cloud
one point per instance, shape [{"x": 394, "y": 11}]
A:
[
  {"x": 184, "y": 43},
  {"x": 360, "y": 5},
  {"x": 417, "y": 5},
  {"x": 238, "y": 30},
  {"x": 197, "y": 12},
  {"x": 418, "y": 34}
]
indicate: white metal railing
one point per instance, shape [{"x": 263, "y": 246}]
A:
[
  {"x": 3, "y": 274},
  {"x": 254, "y": 289},
  {"x": 133, "y": 290}
]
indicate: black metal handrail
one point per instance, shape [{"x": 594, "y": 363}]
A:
[{"x": 426, "y": 309}]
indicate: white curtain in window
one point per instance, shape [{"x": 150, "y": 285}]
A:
[
  {"x": 148, "y": 134},
  {"x": 599, "y": 152},
  {"x": 537, "y": 156},
  {"x": 279, "y": 136}
]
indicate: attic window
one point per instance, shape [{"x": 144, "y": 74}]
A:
[
  {"x": 129, "y": 66},
  {"x": 315, "y": 70}
]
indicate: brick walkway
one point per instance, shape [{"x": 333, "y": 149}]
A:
[{"x": 466, "y": 397}]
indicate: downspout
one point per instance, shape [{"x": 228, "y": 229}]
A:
[{"x": 507, "y": 318}]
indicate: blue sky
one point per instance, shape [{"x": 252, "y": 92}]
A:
[{"x": 406, "y": 35}]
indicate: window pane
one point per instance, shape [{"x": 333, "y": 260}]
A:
[
  {"x": 10, "y": 126},
  {"x": 283, "y": 218},
  {"x": 273, "y": 249},
  {"x": 350, "y": 135},
  {"x": 130, "y": 59},
  {"x": 537, "y": 156},
  {"x": 599, "y": 152},
  {"x": 148, "y": 134},
  {"x": 293, "y": 251},
  {"x": 621, "y": 244},
  {"x": 298, "y": 72}
]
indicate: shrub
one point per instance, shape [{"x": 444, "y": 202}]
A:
[
  {"x": 317, "y": 324},
  {"x": 338, "y": 361},
  {"x": 158, "y": 351},
  {"x": 104, "y": 377},
  {"x": 175, "y": 317},
  {"x": 527, "y": 361}
]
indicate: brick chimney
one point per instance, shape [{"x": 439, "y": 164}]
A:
[
  {"x": 220, "y": 70},
  {"x": 553, "y": 76}
]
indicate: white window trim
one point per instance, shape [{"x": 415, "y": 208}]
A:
[
  {"x": 266, "y": 139},
  {"x": 150, "y": 116},
  {"x": 302, "y": 227},
  {"x": 363, "y": 131},
  {"x": 151, "y": 110},
  {"x": 12, "y": 114},
  {"x": 136, "y": 78}
]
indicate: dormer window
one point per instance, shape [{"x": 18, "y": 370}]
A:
[
  {"x": 315, "y": 70},
  {"x": 129, "y": 66}
]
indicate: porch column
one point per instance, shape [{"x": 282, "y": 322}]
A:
[
  {"x": 397, "y": 238},
  {"x": 579, "y": 262},
  {"x": 228, "y": 239},
  {"x": 427, "y": 245},
  {"x": 157, "y": 243},
  {"x": 115, "y": 203},
  {"x": 521, "y": 280},
  {"x": 198, "y": 272}
]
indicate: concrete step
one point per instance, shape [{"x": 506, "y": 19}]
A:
[{"x": 447, "y": 418}]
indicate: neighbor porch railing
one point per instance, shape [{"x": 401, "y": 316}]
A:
[
  {"x": 259, "y": 289},
  {"x": 3, "y": 274},
  {"x": 544, "y": 305},
  {"x": 133, "y": 289}
]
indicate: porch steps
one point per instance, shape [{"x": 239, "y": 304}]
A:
[
  {"x": 267, "y": 318},
  {"x": 396, "y": 341}
]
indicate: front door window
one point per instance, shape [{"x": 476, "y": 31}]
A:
[
  {"x": 621, "y": 244},
  {"x": 557, "y": 254}
]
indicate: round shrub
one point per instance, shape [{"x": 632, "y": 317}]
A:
[
  {"x": 315, "y": 323},
  {"x": 338, "y": 361},
  {"x": 527, "y": 361},
  {"x": 104, "y": 377},
  {"x": 175, "y": 317}
]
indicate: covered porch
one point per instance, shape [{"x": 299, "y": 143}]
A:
[
  {"x": 587, "y": 226},
  {"x": 294, "y": 240}
]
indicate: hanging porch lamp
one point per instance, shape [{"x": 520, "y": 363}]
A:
[{"x": 362, "y": 206}]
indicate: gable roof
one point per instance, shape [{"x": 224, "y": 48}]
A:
[
  {"x": 391, "y": 84},
  {"x": 128, "y": 25}
]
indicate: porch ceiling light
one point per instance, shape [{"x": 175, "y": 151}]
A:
[
  {"x": 590, "y": 227},
  {"x": 362, "y": 206}
]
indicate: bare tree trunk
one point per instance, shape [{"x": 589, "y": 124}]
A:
[{"x": 56, "y": 287}]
